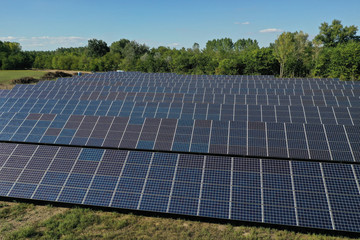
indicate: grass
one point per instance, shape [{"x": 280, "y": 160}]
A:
[
  {"x": 6, "y": 76},
  {"x": 28, "y": 221}
]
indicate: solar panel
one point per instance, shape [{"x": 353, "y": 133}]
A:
[
  {"x": 249, "y": 148},
  {"x": 258, "y": 190}
]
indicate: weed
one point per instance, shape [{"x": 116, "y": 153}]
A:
[
  {"x": 26, "y": 232},
  {"x": 69, "y": 223}
]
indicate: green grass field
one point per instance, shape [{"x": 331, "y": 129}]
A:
[
  {"x": 29, "y": 221},
  {"x": 6, "y": 76}
]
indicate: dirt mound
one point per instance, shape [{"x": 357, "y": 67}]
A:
[
  {"x": 54, "y": 75},
  {"x": 25, "y": 80}
]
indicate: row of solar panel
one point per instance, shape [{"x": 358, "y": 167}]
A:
[
  {"x": 187, "y": 97},
  {"x": 272, "y": 100},
  {"x": 213, "y": 78},
  {"x": 192, "y": 89},
  {"x": 306, "y": 194},
  {"x": 165, "y": 82},
  {"x": 261, "y": 113},
  {"x": 217, "y": 78},
  {"x": 203, "y": 84},
  {"x": 286, "y": 140}
]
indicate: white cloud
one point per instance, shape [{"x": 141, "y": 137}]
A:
[
  {"x": 8, "y": 38},
  {"x": 271, "y": 30},
  {"x": 242, "y": 23},
  {"x": 174, "y": 45},
  {"x": 47, "y": 42}
]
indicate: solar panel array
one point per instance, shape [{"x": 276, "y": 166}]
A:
[{"x": 249, "y": 148}]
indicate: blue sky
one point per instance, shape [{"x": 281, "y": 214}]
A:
[{"x": 49, "y": 24}]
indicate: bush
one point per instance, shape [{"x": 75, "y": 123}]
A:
[
  {"x": 54, "y": 75},
  {"x": 25, "y": 80}
]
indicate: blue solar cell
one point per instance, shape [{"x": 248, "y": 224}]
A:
[
  {"x": 158, "y": 187},
  {"x": 5, "y": 188},
  {"x": 277, "y": 181},
  {"x": 9, "y": 174},
  {"x": 48, "y": 193},
  {"x": 33, "y": 138},
  {"x": 313, "y": 218},
  {"x": 279, "y": 215},
  {"x": 347, "y": 221},
  {"x": 279, "y": 198},
  {"x": 161, "y": 172},
  {"x": 54, "y": 178},
  {"x": 98, "y": 198},
  {"x": 145, "y": 145},
  {"x": 63, "y": 140},
  {"x": 246, "y": 212},
  {"x": 341, "y": 186},
  {"x": 31, "y": 176},
  {"x": 188, "y": 175},
  {"x": 216, "y": 192},
  {"x": 154, "y": 203},
  {"x": 201, "y": 148},
  {"x": 311, "y": 183},
  {"x": 110, "y": 168},
  {"x": 184, "y": 206},
  {"x": 306, "y": 168},
  {"x": 72, "y": 195},
  {"x": 181, "y": 147},
  {"x": 217, "y": 177},
  {"x": 21, "y": 190},
  {"x": 79, "y": 180},
  {"x": 165, "y": 159},
  {"x": 312, "y": 200},
  {"x": 246, "y": 195},
  {"x": 125, "y": 200},
  {"x": 48, "y": 139},
  {"x": 139, "y": 157},
  {"x": 214, "y": 209},
  {"x": 134, "y": 170},
  {"x": 91, "y": 154},
  {"x": 104, "y": 183},
  {"x": 134, "y": 185}
]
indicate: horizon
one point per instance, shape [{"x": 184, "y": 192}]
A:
[{"x": 45, "y": 26}]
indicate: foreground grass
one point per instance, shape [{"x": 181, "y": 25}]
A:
[
  {"x": 28, "y": 221},
  {"x": 6, "y": 76}
]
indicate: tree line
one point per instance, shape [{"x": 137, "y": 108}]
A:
[{"x": 334, "y": 52}]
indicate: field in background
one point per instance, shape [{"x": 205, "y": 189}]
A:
[
  {"x": 6, "y": 76},
  {"x": 29, "y": 221}
]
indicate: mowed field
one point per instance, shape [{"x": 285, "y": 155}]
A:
[
  {"x": 29, "y": 221},
  {"x": 6, "y": 76}
]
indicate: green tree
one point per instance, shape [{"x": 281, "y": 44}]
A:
[
  {"x": 246, "y": 44},
  {"x": 220, "y": 45},
  {"x": 260, "y": 61},
  {"x": 118, "y": 46},
  {"x": 345, "y": 61},
  {"x": 293, "y": 51},
  {"x": 228, "y": 67},
  {"x": 336, "y": 33},
  {"x": 284, "y": 49},
  {"x": 97, "y": 48},
  {"x": 196, "y": 47}
]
